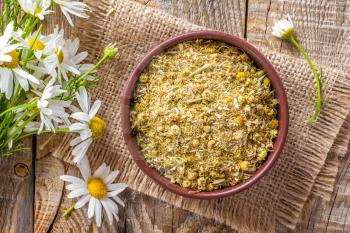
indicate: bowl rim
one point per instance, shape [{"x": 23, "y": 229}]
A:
[{"x": 261, "y": 61}]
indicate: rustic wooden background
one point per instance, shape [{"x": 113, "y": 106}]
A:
[{"x": 32, "y": 198}]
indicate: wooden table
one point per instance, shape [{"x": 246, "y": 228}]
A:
[{"x": 33, "y": 199}]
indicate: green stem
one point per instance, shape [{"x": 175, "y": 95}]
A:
[
  {"x": 62, "y": 130},
  {"x": 27, "y": 26},
  {"x": 69, "y": 210},
  {"x": 92, "y": 69},
  {"x": 313, "y": 118},
  {"x": 32, "y": 26},
  {"x": 17, "y": 107},
  {"x": 19, "y": 120},
  {"x": 20, "y": 128},
  {"x": 15, "y": 13},
  {"x": 7, "y": 11},
  {"x": 23, "y": 20}
]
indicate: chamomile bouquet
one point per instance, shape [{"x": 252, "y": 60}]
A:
[
  {"x": 43, "y": 78},
  {"x": 44, "y": 86}
]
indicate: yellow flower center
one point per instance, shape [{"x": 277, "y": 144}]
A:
[
  {"x": 37, "y": 45},
  {"x": 60, "y": 56},
  {"x": 98, "y": 127},
  {"x": 97, "y": 188},
  {"x": 14, "y": 62},
  {"x": 37, "y": 10}
]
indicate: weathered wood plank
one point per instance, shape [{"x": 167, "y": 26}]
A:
[
  {"x": 16, "y": 193},
  {"x": 48, "y": 191},
  {"x": 223, "y": 15},
  {"x": 323, "y": 29}
]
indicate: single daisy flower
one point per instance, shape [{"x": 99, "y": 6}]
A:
[
  {"x": 10, "y": 71},
  {"x": 52, "y": 111},
  {"x": 72, "y": 7},
  {"x": 98, "y": 189},
  {"x": 89, "y": 126},
  {"x": 37, "y": 45},
  {"x": 283, "y": 29},
  {"x": 64, "y": 59},
  {"x": 38, "y": 8}
]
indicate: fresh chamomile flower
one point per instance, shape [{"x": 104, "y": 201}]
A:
[
  {"x": 64, "y": 59},
  {"x": 98, "y": 189},
  {"x": 10, "y": 71},
  {"x": 283, "y": 29},
  {"x": 37, "y": 44},
  {"x": 90, "y": 127},
  {"x": 76, "y": 8},
  {"x": 52, "y": 111},
  {"x": 36, "y": 8}
]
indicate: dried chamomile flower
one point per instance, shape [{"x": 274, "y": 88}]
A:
[{"x": 204, "y": 115}]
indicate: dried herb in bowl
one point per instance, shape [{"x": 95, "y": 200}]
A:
[{"x": 204, "y": 115}]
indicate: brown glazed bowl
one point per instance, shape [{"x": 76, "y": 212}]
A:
[{"x": 261, "y": 62}]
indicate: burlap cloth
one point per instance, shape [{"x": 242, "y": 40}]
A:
[{"x": 303, "y": 169}]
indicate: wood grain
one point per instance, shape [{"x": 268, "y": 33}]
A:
[
  {"x": 16, "y": 192},
  {"x": 48, "y": 191},
  {"x": 224, "y": 15}
]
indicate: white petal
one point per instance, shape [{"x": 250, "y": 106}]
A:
[
  {"x": 85, "y": 134},
  {"x": 72, "y": 179},
  {"x": 91, "y": 210},
  {"x": 83, "y": 99},
  {"x": 78, "y": 127},
  {"x": 26, "y": 75},
  {"x": 80, "y": 57},
  {"x": 113, "y": 207},
  {"x": 74, "y": 186},
  {"x": 80, "y": 152},
  {"x": 105, "y": 172},
  {"x": 118, "y": 200},
  {"x": 98, "y": 213},
  {"x": 78, "y": 193},
  {"x": 116, "y": 189},
  {"x": 80, "y": 116},
  {"x": 84, "y": 167},
  {"x": 5, "y": 58},
  {"x": 111, "y": 177},
  {"x": 23, "y": 83},
  {"x": 95, "y": 107},
  {"x": 108, "y": 210},
  {"x": 99, "y": 171},
  {"x": 82, "y": 201},
  {"x": 71, "y": 69},
  {"x": 10, "y": 48},
  {"x": 75, "y": 141},
  {"x": 69, "y": 19}
]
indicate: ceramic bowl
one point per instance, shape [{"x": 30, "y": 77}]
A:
[{"x": 261, "y": 61}]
